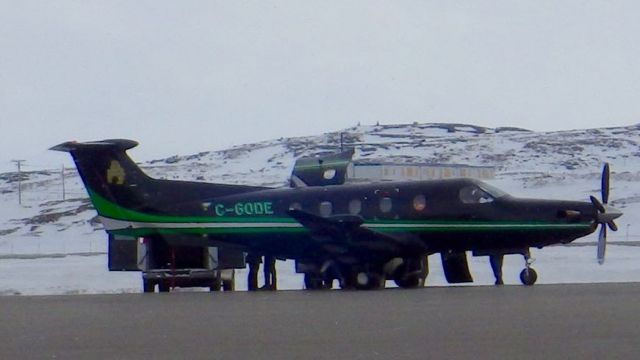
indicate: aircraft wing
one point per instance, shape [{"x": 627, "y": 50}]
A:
[{"x": 347, "y": 233}]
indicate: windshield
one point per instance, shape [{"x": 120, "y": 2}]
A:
[
  {"x": 472, "y": 194},
  {"x": 480, "y": 193},
  {"x": 492, "y": 190}
]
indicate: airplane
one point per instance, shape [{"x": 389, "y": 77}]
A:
[{"x": 360, "y": 234}]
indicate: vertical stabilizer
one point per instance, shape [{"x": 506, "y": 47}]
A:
[
  {"x": 108, "y": 172},
  {"x": 117, "y": 186}
]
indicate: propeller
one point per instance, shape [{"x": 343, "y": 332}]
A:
[
  {"x": 605, "y": 214},
  {"x": 604, "y": 183}
]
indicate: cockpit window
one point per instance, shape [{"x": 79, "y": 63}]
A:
[
  {"x": 492, "y": 190},
  {"x": 472, "y": 194}
]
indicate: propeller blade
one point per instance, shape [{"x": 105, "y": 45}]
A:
[
  {"x": 602, "y": 244},
  {"x": 612, "y": 226},
  {"x": 604, "y": 188},
  {"x": 597, "y": 204}
]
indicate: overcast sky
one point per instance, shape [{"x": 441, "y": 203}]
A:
[{"x": 188, "y": 76}]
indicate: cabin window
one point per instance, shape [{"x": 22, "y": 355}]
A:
[
  {"x": 355, "y": 206},
  {"x": 385, "y": 204},
  {"x": 329, "y": 174},
  {"x": 474, "y": 195},
  {"x": 295, "y": 206},
  {"x": 419, "y": 202},
  {"x": 325, "y": 208}
]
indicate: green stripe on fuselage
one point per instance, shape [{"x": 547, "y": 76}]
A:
[
  {"x": 108, "y": 209},
  {"x": 206, "y": 231}
]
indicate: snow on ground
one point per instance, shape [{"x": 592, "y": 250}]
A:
[
  {"x": 64, "y": 275},
  {"x": 77, "y": 274}
]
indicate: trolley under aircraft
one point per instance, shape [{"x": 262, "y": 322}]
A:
[{"x": 360, "y": 234}]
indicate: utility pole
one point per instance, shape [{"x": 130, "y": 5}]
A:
[
  {"x": 628, "y": 231},
  {"x": 19, "y": 162},
  {"x": 63, "y": 189}
]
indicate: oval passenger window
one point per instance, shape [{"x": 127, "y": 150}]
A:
[
  {"x": 326, "y": 208},
  {"x": 355, "y": 206},
  {"x": 385, "y": 204},
  {"x": 419, "y": 202}
]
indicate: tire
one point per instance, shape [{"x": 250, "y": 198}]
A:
[
  {"x": 528, "y": 276},
  {"x": 163, "y": 287},
  {"x": 408, "y": 282},
  {"x": 316, "y": 282},
  {"x": 411, "y": 273},
  {"x": 368, "y": 281}
]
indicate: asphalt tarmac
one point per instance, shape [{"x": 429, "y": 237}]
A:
[{"x": 509, "y": 322}]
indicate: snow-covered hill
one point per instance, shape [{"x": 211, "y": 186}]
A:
[{"x": 564, "y": 164}]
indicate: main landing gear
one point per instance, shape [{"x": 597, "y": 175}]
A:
[
  {"x": 316, "y": 281},
  {"x": 362, "y": 278},
  {"x": 528, "y": 275},
  {"x": 409, "y": 272}
]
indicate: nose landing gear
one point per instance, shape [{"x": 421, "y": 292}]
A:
[{"x": 528, "y": 275}]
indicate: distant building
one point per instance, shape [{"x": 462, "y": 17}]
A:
[
  {"x": 360, "y": 170},
  {"x": 338, "y": 168}
]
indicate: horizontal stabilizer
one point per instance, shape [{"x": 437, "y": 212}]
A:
[{"x": 119, "y": 144}]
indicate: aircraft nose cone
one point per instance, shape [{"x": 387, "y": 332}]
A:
[
  {"x": 609, "y": 214},
  {"x": 612, "y": 212}
]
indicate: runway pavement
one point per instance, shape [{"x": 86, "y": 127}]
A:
[{"x": 517, "y": 322}]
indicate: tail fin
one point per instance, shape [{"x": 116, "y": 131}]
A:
[
  {"x": 114, "y": 182},
  {"x": 107, "y": 171}
]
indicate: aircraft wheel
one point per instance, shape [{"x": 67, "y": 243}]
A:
[
  {"x": 369, "y": 281},
  {"x": 411, "y": 273},
  {"x": 528, "y": 276},
  {"x": 313, "y": 282},
  {"x": 408, "y": 282}
]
